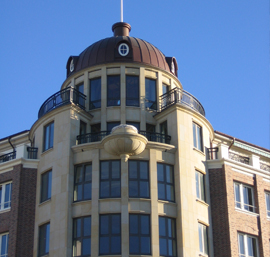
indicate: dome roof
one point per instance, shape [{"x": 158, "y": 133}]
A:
[{"x": 107, "y": 51}]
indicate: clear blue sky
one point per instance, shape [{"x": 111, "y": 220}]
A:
[{"x": 222, "y": 49}]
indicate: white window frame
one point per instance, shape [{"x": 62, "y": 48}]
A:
[
  {"x": 267, "y": 201},
  {"x": 2, "y": 204},
  {"x": 200, "y": 192},
  {"x": 203, "y": 242},
  {"x": 243, "y": 206},
  {"x": 197, "y": 136},
  {"x": 246, "y": 248},
  {"x": 6, "y": 253}
]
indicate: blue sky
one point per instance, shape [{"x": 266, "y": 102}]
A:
[{"x": 221, "y": 46}]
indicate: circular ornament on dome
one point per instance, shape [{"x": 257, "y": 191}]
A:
[
  {"x": 71, "y": 66},
  {"x": 123, "y": 49}
]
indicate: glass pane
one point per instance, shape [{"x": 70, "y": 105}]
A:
[
  {"x": 78, "y": 193},
  {"x": 4, "y": 245},
  {"x": 88, "y": 173},
  {"x": 87, "y": 191},
  {"x": 77, "y": 245},
  {"x": 145, "y": 225},
  {"x": 160, "y": 172},
  {"x": 202, "y": 186},
  {"x": 104, "y": 224},
  {"x": 113, "y": 90},
  {"x": 49, "y": 185},
  {"x": 170, "y": 247},
  {"x": 104, "y": 170},
  {"x": 115, "y": 244},
  {"x": 163, "y": 246},
  {"x": 47, "y": 247},
  {"x": 86, "y": 246},
  {"x": 115, "y": 189},
  {"x": 7, "y": 195},
  {"x": 169, "y": 174},
  {"x": 170, "y": 193},
  {"x": 87, "y": 226},
  {"x": 237, "y": 195},
  {"x": 169, "y": 227},
  {"x": 173, "y": 227},
  {"x": 104, "y": 189},
  {"x": 115, "y": 169},
  {"x": 111, "y": 125},
  {"x": 205, "y": 241},
  {"x": 194, "y": 136},
  {"x": 162, "y": 226},
  {"x": 77, "y": 228},
  {"x": 133, "y": 189},
  {"x": 95, "y": 93},
  {"x": 161, "y": 191},
  {"x": 143, "y": 170},
  {"x": 267, "y": 202},
  {"x": 47, "y": 137},
  {"x": 150, "y": 93},
  {"x": 200, "y": 238},
  {"x": 199, "y": 138},
  {"x": 116, "y": 224},
  {"x": 145, "y": 245},
  {"x": 133, "y": 224},
  {"x": 132, "y": 168},
  {"x": 144, "y": 189},
  {"x": 104, "y": 245},
  {"x": 134, "y": 245},
  {"x": 0, "y": 197},
  {"x": 132, "y": 91},
  {"x": 197, "y": 185},
  {"x": 78, "y": 176}
]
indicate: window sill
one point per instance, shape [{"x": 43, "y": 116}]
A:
[
  {"x": 5, "y": 210},
  {"x": 247, "y": 212},
  {"x": 44, "y": 202},
  {"x": 199, "y": 151},
  {"x": 82, "y": 201},
  {"x": 47, "y": 151},
  {"x": 167, "y": 202},
  {"x": 202, "y": 202},
  {"x": 203, "y": 255}
]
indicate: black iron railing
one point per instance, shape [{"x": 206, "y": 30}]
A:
[
  {"x": 32, "y": 152},
  {"x": 156, "y": 137},
  {"x": 178, "y": 95},
  {"x": 212, "y": 153},
  {"x": 8, "y": 157},
  {"x": 264, "y": 166},
  {"x": 238, "y": 158},
  {"x": 63, "y": 97},
  {"x": 92, "y": 137}
]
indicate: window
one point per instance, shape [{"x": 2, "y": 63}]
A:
[
  {"x": 138, "y": 172},
  {"x": 247, "y": 245},
  {"x": 113, "y": 90},
  {"x": 150, "y": 94},
  {"x": 110, "y": 179},
  {"x": 200, "y": 193},
  {"x": 44, "y": 239},
  {"x": 82, "y": 137},
  {"x": 111, "y": 125},
  {"x": 139, "y": 234},
  {"x": 203, "y": 238},
  {"x": 167, "y": 237},
  {"x": 5, "y": 196},
  {"x": 163, "y": 131},
  {"x": 110, "y": 234},
  {"x": 197, "y": 137},
  {"x": 267, "y": 198},
  {"x": 46, "y": 186},
  {"x": 135, "y": 124},
  {"x": 95, "y": 93},
  {"x": 243, "y": 195},
  {"x": 132, "y": 91},
  {"x": 82, "y": 237},
  {"x": 165, "y": 89},
  {"x": 165, "y": 182},
  {"x": 48, "y": 136},
  {"x": 83, "y": 182},
  {"x": 4, "y": 245}
]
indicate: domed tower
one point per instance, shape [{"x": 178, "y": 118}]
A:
[{"x": 122, "y": 167}]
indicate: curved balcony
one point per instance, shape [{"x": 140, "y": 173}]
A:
[
  {"x": 63, "y": 97},
  {"x": 178, "y": 95}
]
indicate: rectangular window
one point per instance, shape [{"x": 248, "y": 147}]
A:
[
  {"x": 247, "y": 245},
  {"x": 197, "y": 137},
  {"x": 95, "y": 93},
  {"x": 139, "y": 234},
  {"x": 167, "y": 237},
  {"x": 82, "y": 236},
  {"x": 200, "y": 188},
  {"x": 244, "y": 198},
  {"x": 113, "y": 90},
  {"x": 46, "y": 186},
  {"x": 110, "y": 179},
  {"x": 132, "y": 90},
  {"x": 135, "y": 124},
  {"x": 83, "y": 182},
  {"x": 111, "y": 125},
  {"x": 4, "y": 245},
  {"x": 110, "y": 234},
  {"x": 164, "y": 132},
  {"x": 44, "y": 240},
  {"x": 165, "y": 182},
  {"x": 203, "y": 238},
  {"x": 5, "y": 196},
  {"x": 48, "y": 136},
  {"x": 165, "y": 89},
  {"x": 150, "y": 94},
  {"x": 267, "y": 198},
  {"x": 138, "y": 174},
  {"x": 77, "y": 95}
]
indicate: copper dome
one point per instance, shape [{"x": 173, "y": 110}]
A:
[{"x": 106, "y": 51}]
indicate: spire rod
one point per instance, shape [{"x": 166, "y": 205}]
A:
[{"x": 122, "y": 11}]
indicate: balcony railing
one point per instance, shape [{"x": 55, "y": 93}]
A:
[
  {"x": 178, "y": 95},
  {"x": 238, "y": 158},
  {"x": 212, "y": 153},
  {"x": 63, "y": 97},
  {"x": 8, "y": 157},
  {"x": 98, "y": 136},
  {"x": 264, "y": 166},
  {"x": 32, "y": 152}
]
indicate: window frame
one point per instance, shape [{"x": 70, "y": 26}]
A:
[
  {"x": 137, "y": 99},
  {"x": 48, "y": 134},
  {"x": 165, "y": 183},
  {"x": 251, "y": 207},
  {"x": 3, "y": 201},
  {"x": 197, "y": 136},
  {"x": 91, "y": 103},
  {"x": 82, "y": 183},
  {"x": 45, "y": 240},
  {"x": 5, "y": 254},
  {"x": 203, "y": 239},
  {"x": 246, "y": 248},
  {"x": 167, "y": 237},
  {"x": 117, "y": 90},
  {"x": 154, "y": 103},
  {"x": 48, "y": 186},
  {"x": 110, "y": 234},
  {"x": 200, "y": 186},
  {"x": 82, "y": 236},
  {"x": 267, "y": 195},
  {"x": 138, "y": 179},
  {"x": 110, "y": 180}
]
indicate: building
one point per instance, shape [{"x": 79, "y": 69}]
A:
[{"x": 123, "y": 162}]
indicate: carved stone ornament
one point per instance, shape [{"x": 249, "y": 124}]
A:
[{"x": 124, "y": 141}]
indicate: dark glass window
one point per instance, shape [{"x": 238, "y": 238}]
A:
[
  {"x": 138, "y": 179},
  {"x": 197, "y": 137},
  {"x": 82, "y": 128},
  {"x": 82, "y": 237},
  {"x": 4, "y": 245},
  {"x": 113, "y": 90},
  {"x": 200, "y": 186},
  {"x": 44, "y": 239},
  {"x": 111, "y": 125},
  {"x": 135, "y": 124},
  {"x": 5, "y": 196},
  {"x": 46, "y": 186},
  {"x": 165, "y": 89},
  {"x": 95, "y": 128},
  {"x": 110, "y": 234},
  {"x": 132, "y": 90},
  {"x": 76, "y": 96},
  {"x": 83, "y": 182},
  {"x": 164, "y": 131},
  {"x": 110, "y": 179},
  {"x": 165, "y": 182},
  {"x": 95, "y": 93},
  {"x": 48, "y": 136},
  {"x": 150, "y": 94},
  {"x": 150, "y": 128},
  {"x": 139, "y": 234},
  {"x": 167, "y": 237}
]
